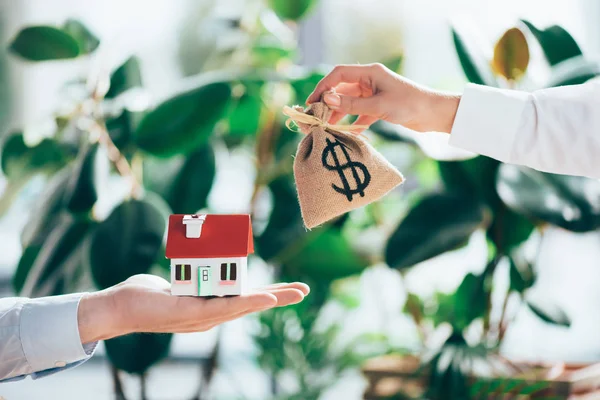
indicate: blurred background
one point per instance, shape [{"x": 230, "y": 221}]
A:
[{"x": 175, "y": 107}]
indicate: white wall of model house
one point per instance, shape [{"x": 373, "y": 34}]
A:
[{"x": 218, "y": 287}]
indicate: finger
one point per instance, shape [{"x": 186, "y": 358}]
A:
[
  {"x": 369, "y": 106},
  {"x": 349, "y": 89},
  {"x": 208, "y": 325},
  {"x": 286, "y": 297},
  {"x": 365, "y": 120},
  {"x": 207, "y": 309},
  {"x": 336, "y": 117},
  {"x": 205, "y": 325},
  {"x": 354, "y": 89},
  {"x": 303, "y": 287},
  {"x": 361, "y": 74}
]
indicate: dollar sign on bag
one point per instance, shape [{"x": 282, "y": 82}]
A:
[{"x": 340, "y": 165}]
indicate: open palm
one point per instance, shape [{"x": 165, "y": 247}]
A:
[{"x": 143, "y": 303}]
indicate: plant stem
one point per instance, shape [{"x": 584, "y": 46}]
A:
[
  {"x": 274, "y": 385},
  {"x": 489, "y": 274},
  {"x": 115, "y": 156},
  {"x": 137, "y": 167},
  {"x": 65, "y": 274},
  {"x": 414, "y": 314},
  {"x": 11, "y": 190},
  {"x": 501, "y": 322},
  {"x": 117, "y": 384},
  {"x": 37, "y": 269},
  {"x": 143, "y": 386}
]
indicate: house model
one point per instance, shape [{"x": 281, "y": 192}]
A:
[{"x": 209, "y": 254}]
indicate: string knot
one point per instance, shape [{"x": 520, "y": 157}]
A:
[{"x": 316, "y": 115}]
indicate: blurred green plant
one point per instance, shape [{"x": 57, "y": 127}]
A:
[
  {"x": 166, "y": 155},
  {"x": 166, "y": 158},
  {"x": 507, "y": 202}
]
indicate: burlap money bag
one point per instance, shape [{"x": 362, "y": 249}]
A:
[{"x": 336, "y": 171}]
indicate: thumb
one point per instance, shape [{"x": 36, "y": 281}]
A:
[{"x": 352, "y": 105}]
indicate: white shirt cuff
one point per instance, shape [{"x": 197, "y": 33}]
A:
[
  {"x": 488, "y": 120},
  {"x": 50, "y": 332}
]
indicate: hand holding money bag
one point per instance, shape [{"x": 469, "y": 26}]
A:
[{"x": 336, "y": 170}]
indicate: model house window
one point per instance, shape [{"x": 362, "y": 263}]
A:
[
  {"x": 228, "y": 271},
  {"x": 232, "y": 271},
  {"x": 183, "y": 272}
]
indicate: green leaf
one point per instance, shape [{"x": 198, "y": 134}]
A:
[
  {"x": 509, "y": 229},
  {"x": 121, "y": 130},
  {"x": 570, "y": 202},
  {"x": 292, "y": 10},
  {"x": 466, "y": 304},
  {"x": 437, "y": 224},
  {"x": 347, "y": 291},
  {"x": 448, "y": 370},
  {"x": 522, "y": 276},
  {"x": 445, "y": 308},
  {"x": 574, "y": 71},
  {"x": 268, "y": 52},
  {"x": 137, "y": 352},
  {"x": 244, "y": 118},
  {"x": 285, "y": 225},
  {"x": 394, "y": 63},
  {"x": 47, "y": 262},
  {"x": 186, "y": 186},
  {"x": 575, "y": 80},
  {"x": 14, "y": 151},
  {"x": 558, "y": 45},
  {"x": 86, "y": 40},
  {"x": 476, "y": 176},
  {"x": 184, "y": 122},
  {"x": 89, "y": 175},
  {"x": 20, "y": 161},
  {"x": 324, "y": 255},
  {"x": 49, "y": 156},
  {"x": 43, "y": 43},
  {"x": 473, "y": 62},
  {"x": 192, "y": 186},
  {"x": 304, "y": 85},
  {"x": 470, "y": 301},
  {"x": 159, "y": 174},
  {"x": 414, "y": 307},
  {"x": 127, "y": 76},
  {"x": 126, "y": 243},
  {"x": 550, "y": 313}
]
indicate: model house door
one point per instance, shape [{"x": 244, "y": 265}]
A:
[{"x": 204, "y": 282}]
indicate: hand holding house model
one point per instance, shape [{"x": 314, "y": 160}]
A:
[{"x": 209, "y": 254}]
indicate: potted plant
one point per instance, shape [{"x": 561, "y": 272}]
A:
[{"x": 508, "y": 203}]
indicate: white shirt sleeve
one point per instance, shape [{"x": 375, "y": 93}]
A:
[
  {"x": 552, "y": 130},
  {"x": 40, "y": 336}
]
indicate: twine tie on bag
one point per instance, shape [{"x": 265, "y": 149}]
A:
[
  {"x": 301, "y": 118},
  {"x": 336, "y": 170}
]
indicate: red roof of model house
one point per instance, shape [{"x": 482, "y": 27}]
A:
[{"x": 221, "y": 236}]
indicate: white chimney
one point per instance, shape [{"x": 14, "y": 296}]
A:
[{"x": 193, "y": 225}]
